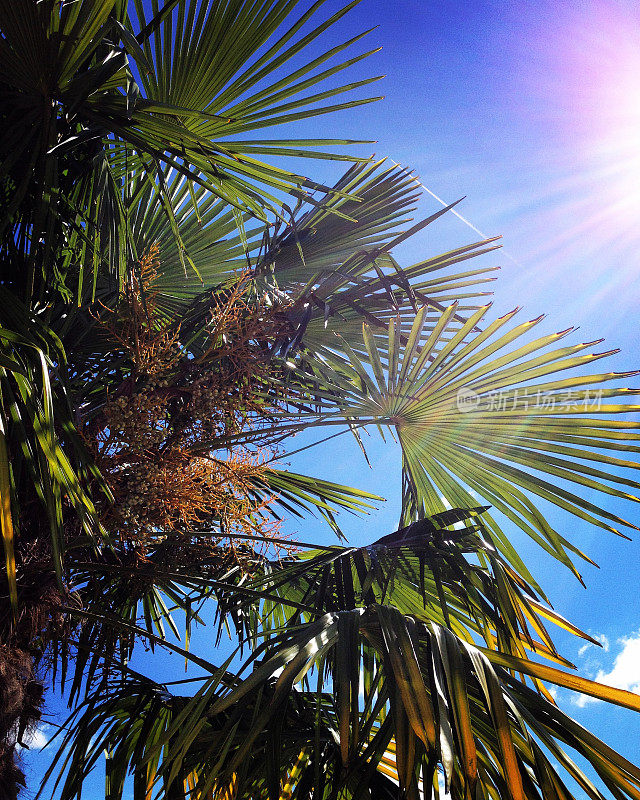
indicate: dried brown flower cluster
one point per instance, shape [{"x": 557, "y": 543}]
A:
[{"x": 165, "y": 439}]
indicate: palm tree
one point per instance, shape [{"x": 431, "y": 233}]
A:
[{"x": 175, "y": 307}]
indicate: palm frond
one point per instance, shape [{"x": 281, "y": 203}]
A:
[
  {"x": 478, "y": 419},
  {"x": 44, "y": 461},
  {"x": 399, "y": 697},
  {"x": 335, "y": 260},
  {"x": 76, "y": 116}
]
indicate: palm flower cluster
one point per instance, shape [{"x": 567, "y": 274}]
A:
[{"x": 165, "y": 438}]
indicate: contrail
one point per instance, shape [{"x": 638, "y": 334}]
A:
[{"x": 453, "y": 211}]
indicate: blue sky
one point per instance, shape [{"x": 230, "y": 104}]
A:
[{"x": 531, "y": 110}]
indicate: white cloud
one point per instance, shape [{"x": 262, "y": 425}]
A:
[
  {"x": 600, "y": 637},
  {"x": 625, "y": 673},
  {"x": 582, "y": 700},
  {"x": 38, "y": 738}
]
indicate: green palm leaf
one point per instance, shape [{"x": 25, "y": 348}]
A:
[
  {"x": 335, "y": 260},
  {"x": 43, "y": 460},
  {"x": 76, "y": 116},
  {"x": 477, "y": 418},
  {"x": 399, "y": 695}
]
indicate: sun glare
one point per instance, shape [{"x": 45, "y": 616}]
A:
[
  {"x": 577, "y": 82},
  {"x": 600, "y": 62}
]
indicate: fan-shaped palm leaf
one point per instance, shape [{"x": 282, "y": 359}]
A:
[
  {"x": 340, "y": 269},
  {"x": 477, "y": 418},
  {"x": 76, "y": 116}
]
